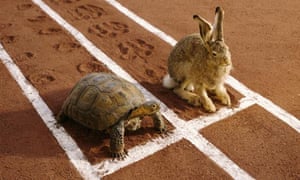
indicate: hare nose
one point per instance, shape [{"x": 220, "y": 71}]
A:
[{"x": 226, "y": 61}]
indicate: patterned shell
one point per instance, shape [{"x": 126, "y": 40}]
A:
[{"x": 100, "y": 100}]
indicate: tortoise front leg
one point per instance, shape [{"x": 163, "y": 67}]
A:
[
  {"x": 117, "y": 141},
  {"x": 159, "y": 122}
]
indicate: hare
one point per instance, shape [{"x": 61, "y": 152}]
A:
[{"x": 199, "y": 63}]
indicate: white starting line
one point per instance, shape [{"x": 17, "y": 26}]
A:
[{"x": 188, "y": 130}]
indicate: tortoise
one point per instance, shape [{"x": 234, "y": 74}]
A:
[{"x": 104, "y": 101}]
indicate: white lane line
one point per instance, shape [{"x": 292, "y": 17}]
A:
[
  {"x": 188, "y": 130},
  {"x": 138, "y": 153},
  {"x": 204, "y": 121},
  {"x": 99, "y": 55},
  {"x": 270, "y": 106},
  {"x": 65, "y": 141},
  {"x": 143, "y": 22},
  {"x": 218, "y": 157},
  {"x": 90, "y": 47}
]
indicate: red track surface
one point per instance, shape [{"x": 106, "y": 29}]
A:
[{"x": 264, "y": 41}]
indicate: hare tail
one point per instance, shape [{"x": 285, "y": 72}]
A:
[{"x": 169, "y": 82}]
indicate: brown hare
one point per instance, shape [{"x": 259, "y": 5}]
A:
[{"x": 199, "y": 63}]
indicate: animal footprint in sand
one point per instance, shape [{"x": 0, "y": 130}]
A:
[
  {"x": 49, "y": 31},
  {"x": 87, "y": 11},
  {"x": 66, "y": 46},
  {"x": 24, "y": 56},
  {"x": 91, "y": 66},
  {"x": 8, "y": 39},
  {"x": 134, "y": 49},
  {"x": 42, "y": 77},
  {"x": 63, "y": 1},
  {"x": 110, "y": 29},
  {"x": 4, "y": 26},
  {"x": 23, "y": 7},
  {"x": 40, "y": 18}
]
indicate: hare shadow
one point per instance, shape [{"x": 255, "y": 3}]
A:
[
  {"x": 178, "y": 105},
  {"x": 181, "y": 107}
]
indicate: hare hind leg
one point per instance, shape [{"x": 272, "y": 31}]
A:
[{"x": 191, "y": 97}]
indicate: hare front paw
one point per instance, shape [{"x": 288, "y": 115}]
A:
[
  {"x": 206, "y": 103},
  {"x": 209, "y": 106},
  {"x": 224, "y": 98},
  {"x": 225, "y": 101}
]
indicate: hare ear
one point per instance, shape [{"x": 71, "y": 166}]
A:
[
  {"x": 218, "y": 25},
  {"x": 205, "y": 28}
]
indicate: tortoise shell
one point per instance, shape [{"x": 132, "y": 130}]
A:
[{"x": 100, "y": 100}]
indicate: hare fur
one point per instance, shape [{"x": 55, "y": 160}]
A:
[{"x": 199, "y": 63}]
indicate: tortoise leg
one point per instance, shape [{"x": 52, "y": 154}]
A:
[
  {"x": 158, "y": 121},
  {"x": 61, "y": 117},
  {"x": 117, "y": 141},
  {"x": 133, "y": 124}
]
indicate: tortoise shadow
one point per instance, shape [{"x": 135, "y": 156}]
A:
[{"x": 95, "y": 144}]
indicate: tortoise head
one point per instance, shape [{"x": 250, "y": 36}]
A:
[{"x": 148, "y": 108}]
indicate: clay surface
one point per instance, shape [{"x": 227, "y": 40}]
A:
[{"x": 264, "y": 41}]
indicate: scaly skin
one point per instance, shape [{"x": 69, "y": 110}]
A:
[
  {"x": 117, "y": 141},
  {"x": 134, "y": 122},
  {"x": 149, "y": 108}
]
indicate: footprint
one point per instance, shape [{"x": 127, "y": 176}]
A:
[
  {"x": 116, "y": 26},
  {"x": 29, "y": 54},
  {"x": 40, "y": 18},
  {"x": 3, "y": 25},
  {"x": 110, "y": 29},
  {"x": 49, "y": 31},
  {"x": 135, "y": 48},
  {"x": 98, "y": 30},
  {"x": 24, "y": 56},
  {"x": 66, "y": 46},
  {"x": 126, "y": 52},
  {"x": 152, "y": 74},
  {"x": 91, "y": 66},
  {"x": 143, "y": 44},
  {"x": 42, "y": 77},
  {"x": 63, "y": 1},
  {"x": 23, "y": 7},
  {"x": 123, "y": 49},
  {"x": 88, "y": 11},
  {"x": 8, "y": 39}
]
